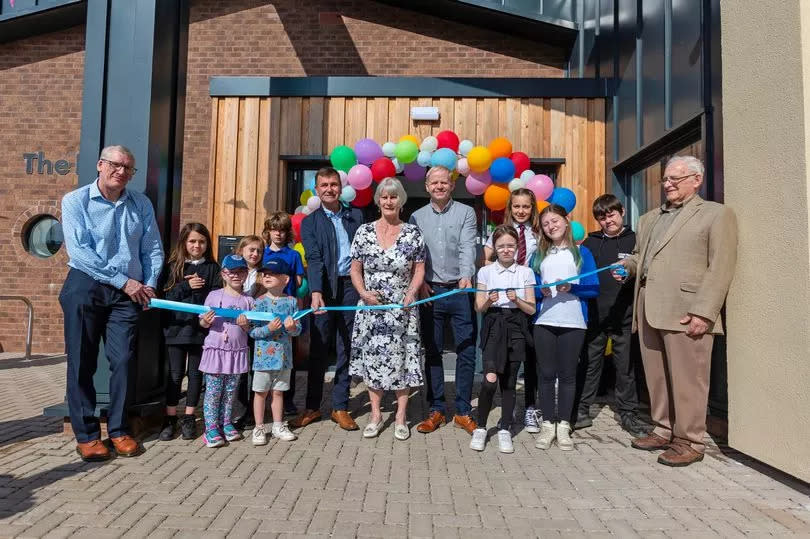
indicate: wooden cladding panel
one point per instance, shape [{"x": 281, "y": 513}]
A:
[{"x": 249, "y": 134}]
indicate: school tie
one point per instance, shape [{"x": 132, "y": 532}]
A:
[{"x": 521, "y": 255}]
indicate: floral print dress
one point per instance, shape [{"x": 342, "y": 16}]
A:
[{"x": 386, "y": 347}]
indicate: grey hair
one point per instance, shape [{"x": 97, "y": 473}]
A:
[
  {"x": 693, "y": 164},
  {"x": 437, "y": 169},
  {"x": 391, "y": 186},
  {"x": 105, "y": 153}
]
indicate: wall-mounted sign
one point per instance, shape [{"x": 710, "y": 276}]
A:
[{"x": 45, "y": 166}]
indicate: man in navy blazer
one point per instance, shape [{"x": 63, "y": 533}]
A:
[{"x": 327, "y": 235}]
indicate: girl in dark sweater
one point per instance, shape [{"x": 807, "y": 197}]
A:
[{"x": 189, "y": 275}]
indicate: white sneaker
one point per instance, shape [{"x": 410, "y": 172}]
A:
[
  {"x": 479, "y": 439},
  {"x": 564, "y": 441},
  {"x": 282, "y": 432},
  {"x": 532, "y": 420},
  {"x": 547, "y": 435},
  {"x": 259, "y": 436},
  {"x": 505, "y": 441}
]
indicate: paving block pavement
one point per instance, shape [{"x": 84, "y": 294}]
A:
[{"x": 335, "y": 483}]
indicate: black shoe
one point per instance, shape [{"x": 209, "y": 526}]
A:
[
  {"x": 290, "y": 408},
  {"x": 583, "y": 422},
  {"x": 168, "y": 428},
  {"x": 244, "y": 422},
  {"x": 188, "y": 426},
  {"x": 631, "y": 423}
]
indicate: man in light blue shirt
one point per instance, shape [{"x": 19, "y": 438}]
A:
[{"x": 116, "y": 255}]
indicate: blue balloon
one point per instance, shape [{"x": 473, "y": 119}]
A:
[
  {"x": 444, "y": 157},
  {"x": 564, "y": 197},
  {"x": 502, "y": 170}
]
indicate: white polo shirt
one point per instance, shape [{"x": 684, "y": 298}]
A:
[{"x": 515, "y": 276}]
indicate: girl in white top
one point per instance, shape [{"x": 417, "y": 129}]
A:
[
  {"x": 504, "y": 333},
  {"x": 562, "y": 315},
  {"x": 251, "y": 249},
  {"x": 521, "y": 213}
]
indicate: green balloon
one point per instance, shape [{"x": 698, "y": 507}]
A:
[
  {"x": 303, "y": 290},
  {"x": 343, "y": 158},
  {"x": 406, "y": 151}
]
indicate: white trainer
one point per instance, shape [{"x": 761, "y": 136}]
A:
[
  {"x": 282, "y": 432},
  {"x": 547, "y": 435},
  {"x": 564, "y": 441},
  {"x": 259, "y": 436},
  {"x": 505, "y": 441},
  {"x": 479, "y": 439}
]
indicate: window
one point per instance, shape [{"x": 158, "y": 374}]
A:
[{"x": 43, "y": 236}]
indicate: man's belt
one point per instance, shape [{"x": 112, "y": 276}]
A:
[{"x": 449, "y": 284}]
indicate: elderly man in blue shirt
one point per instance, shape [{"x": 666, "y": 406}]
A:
[{"x": 115, "y": 252}]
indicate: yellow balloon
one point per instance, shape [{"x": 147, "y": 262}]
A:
[
  {"x": 411, "y": 138},
  {"x": 299, "y": 247},
  {"x": 304, "y": 197},
  {"x": 479, "y": 159}
]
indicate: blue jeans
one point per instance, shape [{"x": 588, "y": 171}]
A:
[
  {"x": 458, "y": 309},
  {"x": 94, "y": 310}
]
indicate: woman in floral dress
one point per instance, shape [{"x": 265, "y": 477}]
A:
[{"x": 388, "y": 266}]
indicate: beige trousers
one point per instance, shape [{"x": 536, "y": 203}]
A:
[{"x": 677, "y": 368}]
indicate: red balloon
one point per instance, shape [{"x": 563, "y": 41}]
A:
[
  {"x": 521, "y": 162},
  {"x": 382, "y": 168},
  {"x": 363, "y": 197},
  {"x": 296, "y": 225},
  {"x": 448, "y": 139}
]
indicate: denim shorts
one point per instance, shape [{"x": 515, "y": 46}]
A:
[{"x": 271, "y": 380}]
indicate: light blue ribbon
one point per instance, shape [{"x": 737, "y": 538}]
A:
[{"x": 267, "y": 317}]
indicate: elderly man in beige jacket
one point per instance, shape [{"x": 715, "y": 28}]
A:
[{"x": 683, "y": 263}]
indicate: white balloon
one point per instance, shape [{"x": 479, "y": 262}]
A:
[
  {"x": 348, "y": 194},
  {"x": 300, "y": 209},
  {"x": 429, "y": 144},
  {"x": 423, "y": 159},
  {"x": 526, "y": 175},
  {"x": 313, "y": 203},
  {"x": 398, "y": 166},
  {"x": 465, "y": 146},
  {"x": 515, "y": 183},
  {"x": 388, "y": 149},
  {"x": 344, "y": 178},
  {"x": 306, "y": 210}
]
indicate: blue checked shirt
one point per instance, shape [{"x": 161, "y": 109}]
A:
[
  {"x": 112, "y": 241},
  {"x": 344, "y": 246}
]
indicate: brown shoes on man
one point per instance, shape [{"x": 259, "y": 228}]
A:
[
  {"x": 344, "y": 420},
  {"x": 433, "y": 422},
  {"x": 93, "y": 451},
  {"x": 465, "y": 422},
  {"x": 305, "y": 418},
  {"x": 125, "y": 446},
  {"x": 679, "y": 454},
  {"x": 651, "y": 442}
]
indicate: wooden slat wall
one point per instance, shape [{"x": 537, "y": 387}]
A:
[{"x": 249, "y": 134}]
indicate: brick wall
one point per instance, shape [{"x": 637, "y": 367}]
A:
[
  {"x": 331, "y": 37},
  {"x": 40, "y": 110}
]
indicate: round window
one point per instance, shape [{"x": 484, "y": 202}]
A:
[{"x": 43, "y": 236}]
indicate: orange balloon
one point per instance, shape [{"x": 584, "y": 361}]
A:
[
  {"x": 541, "y": 205},
  {"x": 496, "y": 196},
  {"x": 500, "y": 147},
  {"x": 411, "y": 138}
]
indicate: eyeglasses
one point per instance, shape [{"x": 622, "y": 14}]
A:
[
  {"x": 116, "y": 166},
  {"x": 675, "y": 180},
  {"x": 506, "y": 247}
]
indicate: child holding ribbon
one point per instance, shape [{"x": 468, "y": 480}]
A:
[
  {"x": 504, "y": 333},
  {"x": 559, "y": 326},
  {"x": 273, "y": 352},
  {"x": 225, "y": 352}
]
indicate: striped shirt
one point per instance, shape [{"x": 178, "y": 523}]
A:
[{"x": 112, "y": 241}]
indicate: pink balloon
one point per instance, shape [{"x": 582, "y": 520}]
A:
[
  {"x": 463, "y": 166},
  {"x": 541, "y": 185},
  {"x": 344, "y": 178},
  {"x": 478, "y": 182},
  {"x": 414, "y": 171},
  {"x": 360, "y": 177}
]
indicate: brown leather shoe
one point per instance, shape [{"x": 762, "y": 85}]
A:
[
  {"x": 433, "y": 422},
  {"x": 92, "y": 451},
  {"x": 651, "y": 442},
  {"x": 305, "y": 418},
  {"x": 465, "y": 422},
  {"x": 125, "y": 446},
  {"x": 344, "y": 420},
  {"x": 679, "y": 454}
]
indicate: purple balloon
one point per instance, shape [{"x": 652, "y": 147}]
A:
[
  {"x": 367, "y": 151},
  {"x": 414, "y": 171},
  {"x": 477, "y": 183}
]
